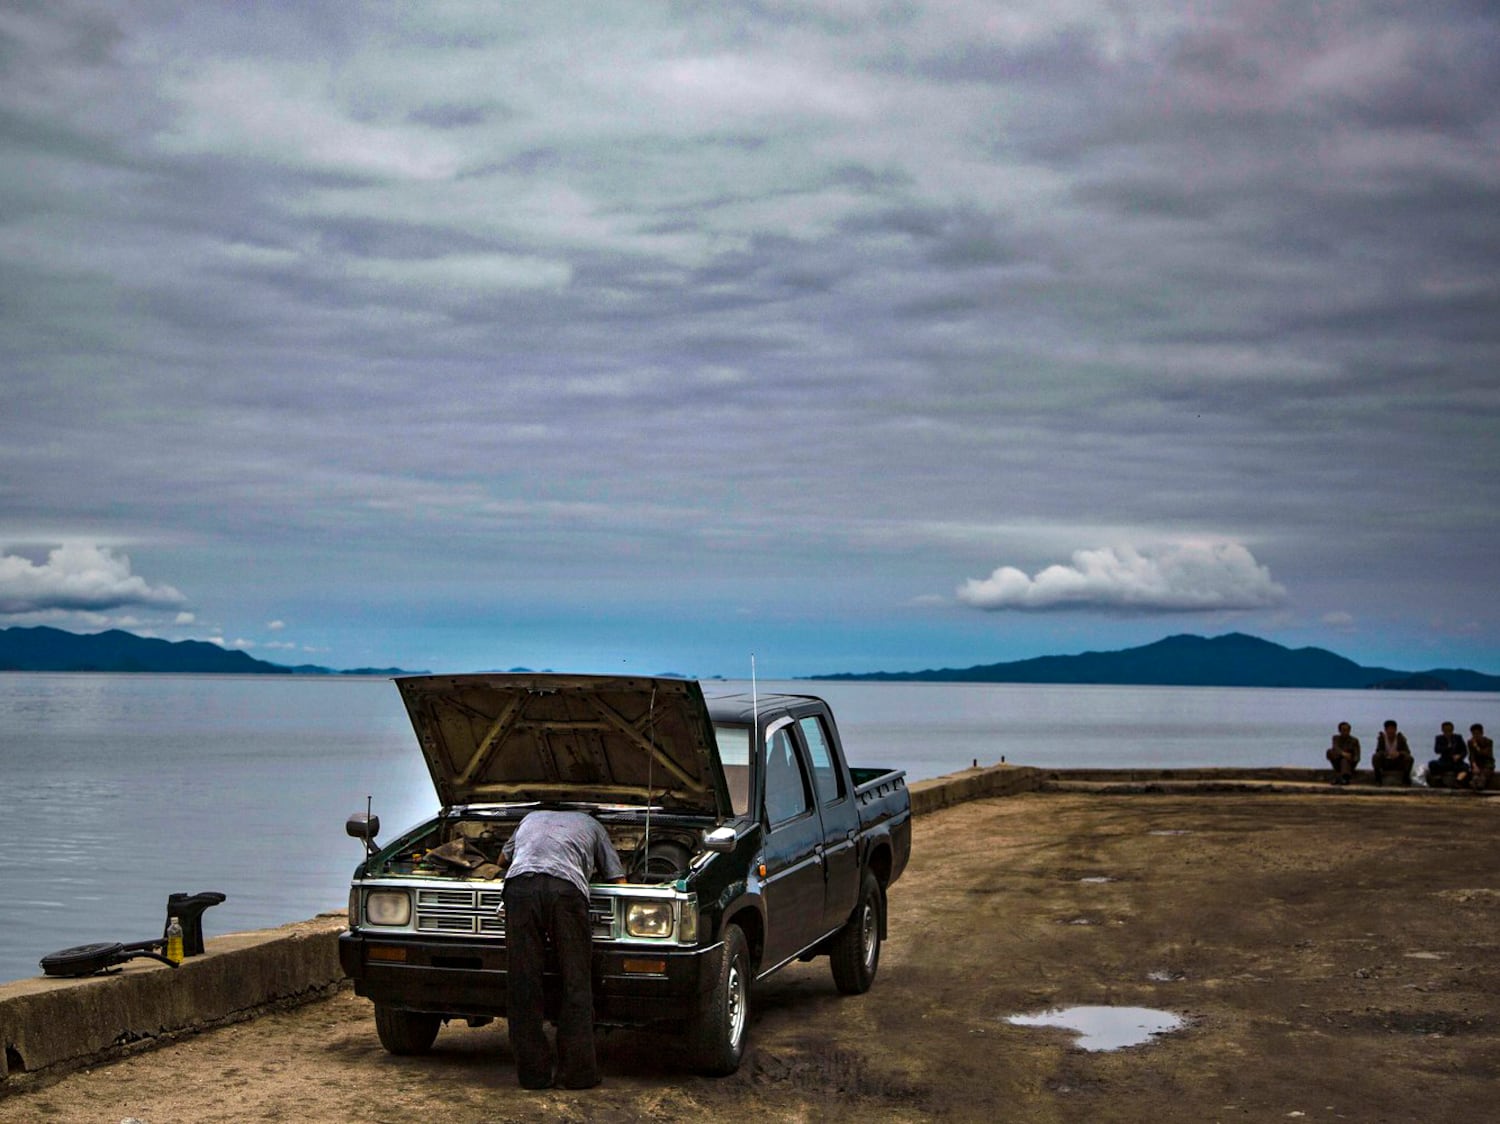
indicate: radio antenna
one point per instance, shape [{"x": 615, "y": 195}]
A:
[
  {"x": 756, "y": 752},
  {"x": 650, "y": 795},
  {"x": 754, "y": 701}
]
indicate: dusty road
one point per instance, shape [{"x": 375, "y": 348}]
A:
[{"x": 1335, "y": 957}]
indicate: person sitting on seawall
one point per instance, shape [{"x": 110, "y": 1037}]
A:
[
  {"x": 1450, "y": 761},
  {"x": 1481, "y": 758},
  {"x": 1392, "y": 754},
  {"x": 1343, "y": 755},
  {"x": 551, "y": 859}
]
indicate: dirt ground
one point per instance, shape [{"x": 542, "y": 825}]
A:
[{"x": 1334, "y": 958}]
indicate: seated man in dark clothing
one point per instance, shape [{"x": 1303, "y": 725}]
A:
[
  {"x": 1450, "y": 762},
  {"x": 1481, "y": 758},
  {"x": 1392, "y": 754},
  {"x": 1343, "y": 755}
]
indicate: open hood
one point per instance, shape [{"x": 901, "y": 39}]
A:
[{"x": 512, "y": 738}]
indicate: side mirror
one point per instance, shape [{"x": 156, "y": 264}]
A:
[
  {"x": 362, "y": 825},
  {"x": 720, "y": 840}
]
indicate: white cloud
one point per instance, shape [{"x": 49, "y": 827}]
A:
[
  {"x": 280, "y": 113},
  {"x": 238, "y": 643},
  {"x": 1178, "y": 577},
  {"x": 466, "y": 273},
  {"x": 185, "y": 618},
  {"x": 275, "y": 626},
  {"x": 77, "y": 577}
]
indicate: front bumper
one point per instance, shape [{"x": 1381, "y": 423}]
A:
[{"x": 633, "y": 985}]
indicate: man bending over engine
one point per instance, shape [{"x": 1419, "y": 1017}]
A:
[{"x": 551, "y": 859}]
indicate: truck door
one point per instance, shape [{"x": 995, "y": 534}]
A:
[
  {"x": 840, "y": 822},
  {"x": 793, "y": 885}
]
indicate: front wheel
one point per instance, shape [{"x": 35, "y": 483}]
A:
[
  {"x": 722, "y": 1026},
  {"x": 405, "y": 1032},
  {"x": 856, "y": 947}
]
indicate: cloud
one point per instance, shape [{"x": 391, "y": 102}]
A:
[
  {"x": 239, "y": 643},
  {"x": 275, "y": 626},
  {"x": 1173, "y": 578},
  {"x": 77, "y": 577},
  {"x": 482, "y": 300}
]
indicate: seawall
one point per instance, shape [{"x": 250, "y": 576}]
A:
[{"x": 50, "y": 1027}]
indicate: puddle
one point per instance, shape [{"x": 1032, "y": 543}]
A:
[
  {"x": 1104, "y": 1028},
  {"x": 1166, "y": 977},
  {"x": 1170, "y": 831},
  {"x": 1097, "y": 878}
]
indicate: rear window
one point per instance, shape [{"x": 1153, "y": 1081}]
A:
[{"x": 734, "y": 755}]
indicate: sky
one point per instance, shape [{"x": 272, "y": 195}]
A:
[{"x": 836, "y": 335}]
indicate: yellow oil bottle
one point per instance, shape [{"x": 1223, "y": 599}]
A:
[{"x": 174, "y": 941}]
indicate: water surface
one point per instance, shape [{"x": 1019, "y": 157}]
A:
[{"x": 117, "y": 790}]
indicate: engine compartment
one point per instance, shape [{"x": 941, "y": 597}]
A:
[{"x": 470, "y": 848}]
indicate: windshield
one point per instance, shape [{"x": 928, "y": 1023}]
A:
[{"x": 734, "y": 755}]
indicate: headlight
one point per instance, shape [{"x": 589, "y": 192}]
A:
[
  {"x": 689, "y": 932},
  {"x": 649, "y": 919},
  {"x": 388, "y": 907}
]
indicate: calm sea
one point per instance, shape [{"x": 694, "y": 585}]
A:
[{"x": 117, "y": 790}]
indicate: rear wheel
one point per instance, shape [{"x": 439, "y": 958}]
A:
[
  {"x": 719, "y": 1032},
  {"x": 406, "y": 1032},
  {"x": 856, "y": 947}
]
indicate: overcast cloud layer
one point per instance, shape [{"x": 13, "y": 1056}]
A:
[{"x": 858, "y": 335}]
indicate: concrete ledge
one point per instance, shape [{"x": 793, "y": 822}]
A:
[
  {"x": 1285, "y": 781},
  {"x": 51, "y": 1026},
  {"x": 972, "y": 784}
]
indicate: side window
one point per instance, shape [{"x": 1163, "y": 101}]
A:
[
  {"x": 786, "y": 787},
  {"x": 830, "y": 782}
]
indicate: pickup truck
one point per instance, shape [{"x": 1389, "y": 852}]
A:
[{"x": 747, "y": 839}]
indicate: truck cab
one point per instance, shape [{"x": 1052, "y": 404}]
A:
[{"x": 747, "y": 840}]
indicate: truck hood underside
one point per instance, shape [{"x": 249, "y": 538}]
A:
[{"x": 560, "y": 738}]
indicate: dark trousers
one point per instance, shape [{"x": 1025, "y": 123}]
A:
[
  {"x": 539, "y": 907},
  {"x": 1383, "y": 763}
]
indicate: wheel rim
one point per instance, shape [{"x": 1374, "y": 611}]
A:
[
  {"x": 736, "y": 1004},
  {"x": 869, "y": 934}
]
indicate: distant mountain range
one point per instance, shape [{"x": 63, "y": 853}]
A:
[
  {"x": 1232, "y": 660},
  {"x": 52, "y": 649}
]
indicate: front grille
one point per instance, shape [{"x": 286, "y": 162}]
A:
[
  {"x": 445, "y": 923},
  {"x": 480, "y": 912}
]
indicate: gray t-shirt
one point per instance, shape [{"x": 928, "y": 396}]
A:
[{"x": 570, "y": 845}]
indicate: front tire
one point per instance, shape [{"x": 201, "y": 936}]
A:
[
  {"x": 855, "y": 955},
  {"x": 722, "y": 1027},
  {"x": 405, "y": 1032}
]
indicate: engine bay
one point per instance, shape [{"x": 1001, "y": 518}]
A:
[{"x": 470, "y": 848}]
